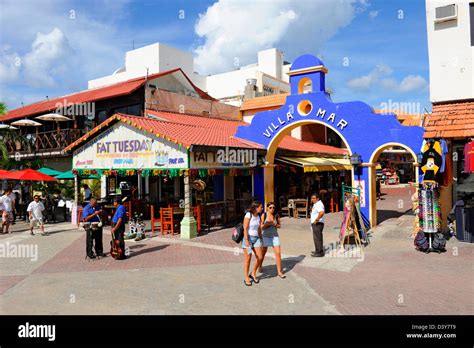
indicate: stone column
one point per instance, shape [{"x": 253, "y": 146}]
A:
[{"x": 188, "y": 224}]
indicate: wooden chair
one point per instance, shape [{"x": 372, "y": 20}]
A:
[
  {"x": 284, "y": 209},
  {"x": 79, "y": 216},
  {"x": 301, "y": 208},
  {"x": 167, "y": 221},
  {"x": 197, "y": 216},
  {"x": 155, "y": 222}
]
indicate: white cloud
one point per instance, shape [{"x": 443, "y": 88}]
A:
[
  {"x": 380, "y": 76},
  {"x": 412, "y": 83},
  {"x": 373, "y": 14},
  {"x": 9, "y": 67},
  {"x": 367, "y": 81},
  {"x": 239, "y": 29},
  {"x": 49, "y": 58}
]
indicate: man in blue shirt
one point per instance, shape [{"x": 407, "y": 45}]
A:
[
  {"x": 118, "y": 224},
  {"x": 93, "y": 226}
]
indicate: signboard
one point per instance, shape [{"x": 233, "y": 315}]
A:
[
  {"x": 123, "y": 146},
  {"x": 224, "y": 158},
  {"x": 360, "y": 184}
]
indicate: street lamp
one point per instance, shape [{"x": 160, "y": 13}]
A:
[{"x": 355, "y": 159}]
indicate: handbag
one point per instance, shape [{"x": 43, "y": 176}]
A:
[{"x": 238, "y": 233}]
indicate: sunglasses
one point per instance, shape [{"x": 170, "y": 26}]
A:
[{"x": 271, "y": 207}]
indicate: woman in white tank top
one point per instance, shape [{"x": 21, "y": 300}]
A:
[{"x": 252, "y": 242}]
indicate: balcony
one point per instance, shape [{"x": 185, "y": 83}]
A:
[{"x": 44, "y": 142}]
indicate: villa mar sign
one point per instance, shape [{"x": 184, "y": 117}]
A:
[{"x": 321, "y": 114}]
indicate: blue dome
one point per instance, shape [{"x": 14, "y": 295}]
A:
[{"x": 306, "y": 61}]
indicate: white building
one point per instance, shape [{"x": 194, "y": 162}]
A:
[
  {"x": 267, "y": 76},
  {"x": 450, "y": 27}
]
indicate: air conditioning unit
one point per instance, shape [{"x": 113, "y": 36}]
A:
[{"x": 446, "y": 13}]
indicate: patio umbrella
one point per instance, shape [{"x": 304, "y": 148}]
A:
[
  {"x": 32, "y": 175},
  {"x": 5, "y": 174},
  {"x": 6, "y": 126},
  {"x": 26, "y": 123},
  {"x": 54, "y": 117},
  {"x": 49, "y": 171}
]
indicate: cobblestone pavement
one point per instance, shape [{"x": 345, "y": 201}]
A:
[{"x": 167, "y": 275}]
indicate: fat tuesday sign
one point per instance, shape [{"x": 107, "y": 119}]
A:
[
  {"x": 124, "y": 147},
  {"x": 281, "y": 121}
]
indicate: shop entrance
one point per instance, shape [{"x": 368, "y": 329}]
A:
[
  {"x": 364, "y": 133},
  {"x": 393, "y": 179}
]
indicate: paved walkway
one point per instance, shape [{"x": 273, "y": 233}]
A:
[{"x": 167, "y": 275}]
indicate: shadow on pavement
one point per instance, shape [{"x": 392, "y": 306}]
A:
[
  {"x": 383, "y": 215},
  {"x": 287, "y": 264},
  {"x": 144, "y": 251}
]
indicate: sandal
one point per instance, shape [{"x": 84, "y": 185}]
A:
[
  {"x": 254, "y": 279},
  {"x": 282, "y": 276},
  {"x": 248, "y": 284}
]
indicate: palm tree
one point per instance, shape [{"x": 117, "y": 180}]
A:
[
  {"x": 3, "y": 145},
  {"x": 3, "y": 108}
]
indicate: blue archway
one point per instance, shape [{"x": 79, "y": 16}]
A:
[{"x": 364, "y": 132}]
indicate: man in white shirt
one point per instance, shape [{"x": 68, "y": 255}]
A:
[
  {"x": 317, "y": 225},
  {"x": 35, "y": 210},
  {"x": 7, "y": 215}
]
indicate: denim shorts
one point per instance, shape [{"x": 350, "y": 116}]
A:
[
  {"x": 271, "y": 241},
  {"x": 255, "y": 242}
]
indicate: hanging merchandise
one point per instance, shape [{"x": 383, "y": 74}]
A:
[
  {"x": 429, "y": 209},
  {"x": 429, "y": 216},
  {"x": 444, "y": 152},
  {"x": 469, "y": 157},
  {"x": 432, "y": 160}
]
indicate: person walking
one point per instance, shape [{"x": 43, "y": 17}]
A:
[
  {"x": 270, "y": 222},
  {"x": 87, "y": 193},
  {"x": 118, "y": 222},
  {"x": 92, "y": 225},
  {"x": 7, "y": 214},
  {"x": 252, "y": 242},
  {"x": 35, "y": 210},
  {"x": 317, "y": 225}
]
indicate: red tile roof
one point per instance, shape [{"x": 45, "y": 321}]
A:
[
  {"x": 293, "y": 144},
  {"x": 190, "y": 130},
  {"x": 179, "y": 133},
  {"x": 90, "y": 95},
  {"x": 264, "y": 102},
  {"x": 453, "y": 120},
  {"x": 229, "y": 127}
]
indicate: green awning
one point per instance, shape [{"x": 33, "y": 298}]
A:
[
  {"x": 69, "y": 176},
  {"x": 49, "y": 171}
]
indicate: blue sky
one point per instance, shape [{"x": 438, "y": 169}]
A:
[{"x": 376, "y": 50}]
